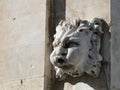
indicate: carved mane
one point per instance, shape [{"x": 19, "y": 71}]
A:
[{"x": 93, "y": 29}]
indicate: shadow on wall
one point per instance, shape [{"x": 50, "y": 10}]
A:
[
  {"x": 55, "y": 11},
  {"x": 59, "y": 10},
  {"x": 105, "y": 52}
]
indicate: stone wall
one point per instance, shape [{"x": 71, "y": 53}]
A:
[
  {"x": 88, "y": 9},
  {"x": 22, "y": 44},
  {"x": 26, "y": 33},
  {"x": 115, "y": 45}
]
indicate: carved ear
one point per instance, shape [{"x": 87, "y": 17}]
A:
[
  {"x": 94, "y": 58},
  {"x": 99, "y": 25},
  {"x": 93, "y": 65},
  {"x": 105, "y": 26}
]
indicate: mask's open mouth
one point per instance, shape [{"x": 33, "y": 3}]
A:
[{"x": 60, "y": 61}]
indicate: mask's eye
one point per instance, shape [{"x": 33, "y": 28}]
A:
[{"x": 71, "y": 44}]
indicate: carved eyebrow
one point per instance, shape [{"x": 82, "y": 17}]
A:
[
  {"x": 74, "y": 39},
  {"x": 65, "y": 40},
  {"x": 71, "y": 42},
  {"x": 56, "y": 43},
  {"x": 70, "y": 39}
]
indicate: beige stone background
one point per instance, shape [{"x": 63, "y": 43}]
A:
[
  {"x": 26, "y": 33},
  {"x": 88, "y": 9},
  {"x": 22, "y": 44}
]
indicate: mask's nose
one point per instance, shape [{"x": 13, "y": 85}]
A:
[{"x": 61, "y": 51}]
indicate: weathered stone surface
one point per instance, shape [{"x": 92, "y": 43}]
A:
[
  {"x": 79, "y": 86},
  {"x": 22, "y": 41},
  {"x": 22, "y": 44},
  {"x": 115, "y": 45},
  {"x": 28, "y": 84},
  {"x": 77, "y": 47},
  {"x": 87, "y": 9}
]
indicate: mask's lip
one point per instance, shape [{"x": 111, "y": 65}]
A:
[{"x": 66, "y": 67}]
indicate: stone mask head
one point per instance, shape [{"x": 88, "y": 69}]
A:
[{"x": 76, "y": 48}]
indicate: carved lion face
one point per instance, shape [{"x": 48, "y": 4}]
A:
[{"x": 76, "y": 48}]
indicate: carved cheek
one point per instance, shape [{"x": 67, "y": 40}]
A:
[
  {"x": 77, "y": 55},
  {"x": 53, "y": 56},
  {"x": 73, "y": 55},
  {"x": 55, "y": 51}
]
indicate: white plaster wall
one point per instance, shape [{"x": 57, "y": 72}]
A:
[{"x": 22, "y": 44}]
